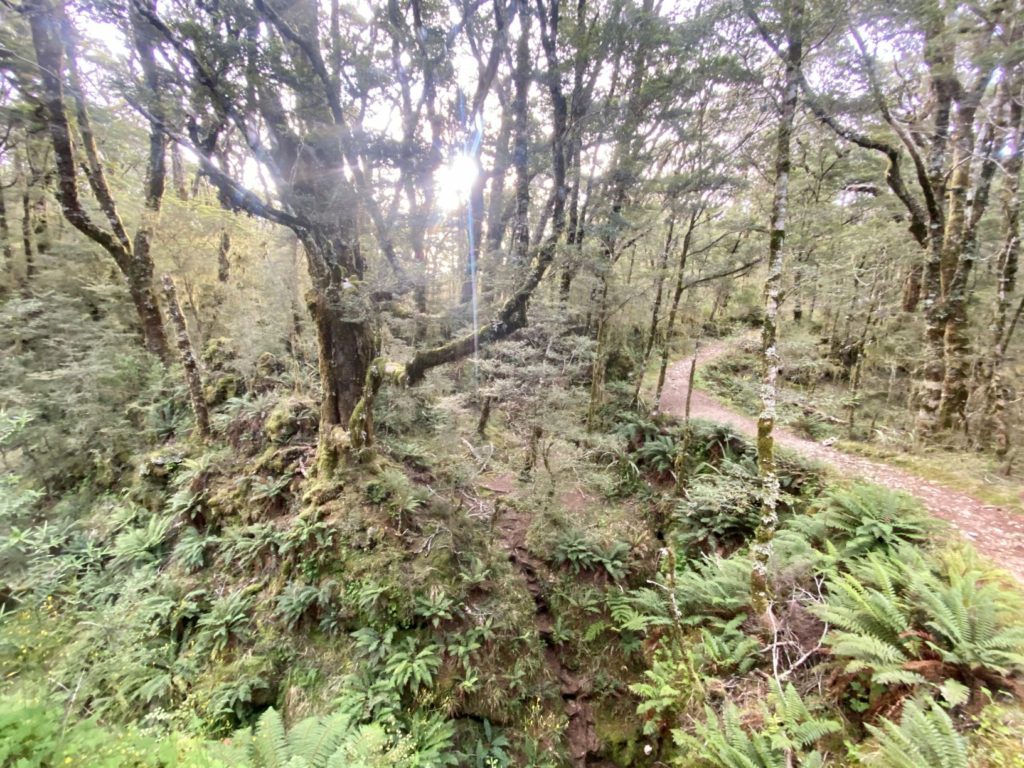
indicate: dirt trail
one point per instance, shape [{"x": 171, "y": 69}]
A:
[{"x": 995, "y": 532}]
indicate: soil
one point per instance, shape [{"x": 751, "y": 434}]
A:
[
  {"x": 996, "y": 533},
  {"x": 512, "y": 525}
]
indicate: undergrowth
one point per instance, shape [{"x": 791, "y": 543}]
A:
[{"x": 449, "y": 600}]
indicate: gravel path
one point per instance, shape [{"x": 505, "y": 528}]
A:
[{"x": 995, "y": 532}]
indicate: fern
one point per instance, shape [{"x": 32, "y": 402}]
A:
[
  {"x": 892, "y": 611},
  {"x": 435, "y": 606},
  {"x": 720, "y": 509},
  {"x": 972, "y": 621},
  {"x": 714, "y": 587},
  {"x": 311, "y": 743},
  {"x": 658, "y": 455},
  {"x": 925, "y": 736},
  {"x": 226, "y": 618},
  {"x": 582, "y": 554},
  {"x": 190, "y": 550},
  {"x": 411, "y": 667},
  {"x": 670, "y": 686},
  {"x": 787, "y": 738},
  {"x": 295, "y": 599},
  {"x": 142, "y": 546},
  {"x": 247, "y": 545},
  {"x": 871, "y": 518},
  {"x": 638, "y": 611},
  {"x": 727, "y": 649}
]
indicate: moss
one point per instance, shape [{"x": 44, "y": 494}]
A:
[
  {"x": 291, "y": 419},
  {"x": 268, "y": 366},
  {"x": 220, "y": 389},
  {"x": 620, "y": 733},
  {"x": 161, "y": 464},
  {"x": 226, "y": 500},
  {"x": 218, "y": 354}
]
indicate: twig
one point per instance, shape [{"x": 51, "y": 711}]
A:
[{"x": 793, "y": 667}]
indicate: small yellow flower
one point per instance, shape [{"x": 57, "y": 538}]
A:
[{"x": 67, "y": 760}]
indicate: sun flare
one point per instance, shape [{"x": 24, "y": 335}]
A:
[{"x": 455, "y": 181}]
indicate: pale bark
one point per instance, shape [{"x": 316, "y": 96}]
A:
[
  {"x": 761, "y": 548},
  {"x": 994, "y": 407}
]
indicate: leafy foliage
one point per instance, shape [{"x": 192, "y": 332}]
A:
[
  {"x": 581, "y": 553},
  {"x": 789, "y": 733},
  {"x": 720, "y": 509},
  {"x": 870, "y": 518},
  {"x": 925, "y": 735},
  {"x": 904, "y": 619}
]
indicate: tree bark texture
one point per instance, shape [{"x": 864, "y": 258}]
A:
[
  {"x": 761, "y": 548},
  {"x": 53, "y": 41},
  {"x": 187, "y": 356}
]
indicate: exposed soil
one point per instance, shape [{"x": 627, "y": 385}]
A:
[
  {"x": 995, "y": 532},
  {"x": 512, "y": 525}
]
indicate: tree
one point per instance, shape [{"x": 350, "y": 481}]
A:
[
  {"x": 54, "y": 40},
  {"x": 791, "y": 14},
  {"x": 288, "y": 86}
]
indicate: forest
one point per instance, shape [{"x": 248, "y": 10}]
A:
[{"x": 501, "y": 383}]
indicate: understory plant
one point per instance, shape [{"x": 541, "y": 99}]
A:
[
  {"x": 910, "y": 620},
  {"x": 790, "y": 734}
]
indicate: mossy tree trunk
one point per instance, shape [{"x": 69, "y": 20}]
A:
[
  {"x": 54, "y": 41},
  {"x": 963, "y": 242},
  {"x": 7, "y": 267},
  {"x": 1003, "y": 323},
  {"x": 187, "y": 355},
  {"x": 761, "y": 549}
]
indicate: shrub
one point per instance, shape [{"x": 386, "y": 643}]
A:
[{"x": 721, "y": 509}]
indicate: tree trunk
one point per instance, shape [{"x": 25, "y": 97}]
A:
[
  {"x": 761, "y": 548},
  {"x": 912, "y": 288},
  {"x": 223, "y": 252},
  {"x": 54, "y": 44},
  {"x": 599, "y": 369},
  {"x": 5, "y": 234},
  {"x": 956, "y": 341},
  {"x": 178, "y": 173},
  {"x": 520, "y": 237},
  {"x": 655, "y": 309},
  {"x": 496, "y": 205},
  {"x": 944, "y": 87},
  {"x": 1007, "y": 264},
  {"x": 666, "y": 344},
  {"x": 26, "y": 237},
  {"x": 188, "y": 359},
  {"x": 346, "y": 343}
]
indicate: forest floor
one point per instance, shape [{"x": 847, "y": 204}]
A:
[{"x": 996, "y": 533}]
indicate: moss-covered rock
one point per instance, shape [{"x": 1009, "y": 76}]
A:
[
  {"x": 292, "y": 419},
  {"x": 620, "y": 733},
  {"x": 161, "y": 463},
  {"x": 220, "y": 389}
]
